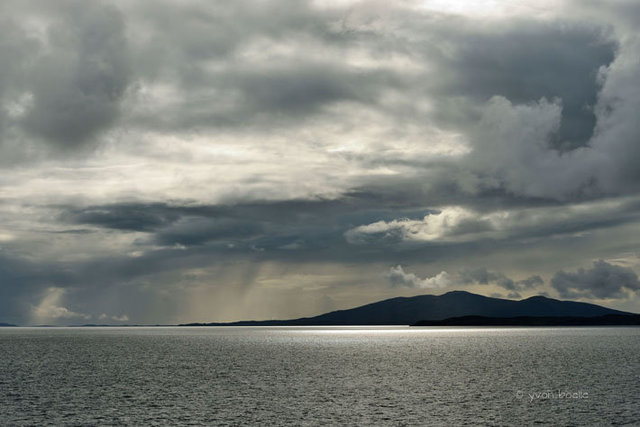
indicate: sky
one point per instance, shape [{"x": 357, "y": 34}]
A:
[{"x": 183, "y": 161}]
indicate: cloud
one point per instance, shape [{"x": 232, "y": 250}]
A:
[
  {"x": 452, "y": 223},
  {"x": 398, "y": 277},
  {"x": 524, "y": 61},
  {"x": 122, "y": 318},
  {"x": 457, "y": 224},
  {"x": 80, "y": 78},
  {"x": 131, "y": 217},
  {"x": 602, "y": 281},
  {"x": 532, "y": 281},
  {"x": 152, "y": 151},
  {"x": 50, "y": 309},
  {"x": 483, "y": 276}
]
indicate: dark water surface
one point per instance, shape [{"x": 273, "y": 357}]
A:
[{"x": 319, "y": 376}]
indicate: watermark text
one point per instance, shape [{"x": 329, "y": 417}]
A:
[{"x": 552, "y": 395}]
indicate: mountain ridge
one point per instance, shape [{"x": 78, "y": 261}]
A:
[{"x": 409, "y": 310}]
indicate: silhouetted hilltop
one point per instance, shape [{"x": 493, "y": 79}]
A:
[
  {"x": 606, "y": 320},
  {"x": 6, "y": 324},
  {"x": 408, "y": 311}
]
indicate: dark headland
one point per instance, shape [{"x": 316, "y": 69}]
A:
[
  {"x": 459, "y": 308},
  {"x": 606, "y": 320}
]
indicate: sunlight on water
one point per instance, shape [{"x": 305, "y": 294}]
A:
[{"x": 319, "y": 375}]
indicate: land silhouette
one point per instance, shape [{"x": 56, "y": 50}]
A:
[{"x": 466, "y": 307}]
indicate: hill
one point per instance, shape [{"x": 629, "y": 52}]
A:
[
  {"x": 606, "y": 320},
  {"x": 409, "y": 310}
]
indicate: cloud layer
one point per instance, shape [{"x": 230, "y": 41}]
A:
[{"x": 167, "y": 161}]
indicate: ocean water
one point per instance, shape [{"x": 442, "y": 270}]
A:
[{"x": 319, "y": 376}]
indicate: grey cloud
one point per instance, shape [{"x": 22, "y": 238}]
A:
[
  {"x": 532, "y": 281},
  {"x": 305, "y": 87},
  {"x": 133, "y": 217},
  {"x": 23, "y": 280},
  {"x": 547, "y": 109},
  {"x": 86, "y": 288},
  {"x": 602, "y": 281},
  {"x": 514, "y": 142},
  {"x": 196, "y": 231},
  {"x": 78, "y": 83},
  {"x": 456, "y": 224},
  {"x": 534, "y": 99},
  {"x": 398, "y": 277},
  {"x": 525, "y": 61},
  {"x": 179, "y": 47},
  {"x": 170, "y": 221},
  {"x": 321, "y": 225},
  {"x": 169, "y": 225},
  {"x": 483, "y": 276},
  {"x": 479, "y": 275},
  {"x": 265, "y": 87},
  {"x": 265, "y": 99}
]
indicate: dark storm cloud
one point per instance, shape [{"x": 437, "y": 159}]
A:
[
  {"x": 21, "y": 280},
  {"x": 91, "y": 283},
  {"x": 602, "y": 281},
  {"x": 264, "y": 225},
  {"x": 78, "y": 87},
  {"x": 73, "y": 83},
  {"x": 522, "y": 61},
  {"x": 316, "y": 229},
  {"x": 199, "y": 52},
  {"x": 525, "y": 61},
  {"x": 305, "y": 87},
  {"x": 266, "y": 98},
  {"x": 133, "y": 217},
  {"x": 262, "y": 88},
  {"x": 196, "y": 231},
  {"x": 354, "y": 207}
]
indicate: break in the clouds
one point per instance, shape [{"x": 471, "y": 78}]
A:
[{"x": 183, "y": 161}]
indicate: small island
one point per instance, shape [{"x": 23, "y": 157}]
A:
[{"x": 460, "y": 308}]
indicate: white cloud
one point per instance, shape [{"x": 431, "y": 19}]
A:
[
  {"x": 398, "y": 277},
  {"x": 123, "y": 318},
  {"x": 432, "y": 227},
  {"x": 458, "y": 224}
]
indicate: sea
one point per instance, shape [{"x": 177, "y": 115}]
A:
[{"x": 317, "y": 376}]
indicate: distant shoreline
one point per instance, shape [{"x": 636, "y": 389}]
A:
[
  {"x": 454, "y": 308},
  {"x": 452, "y": 322}
]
